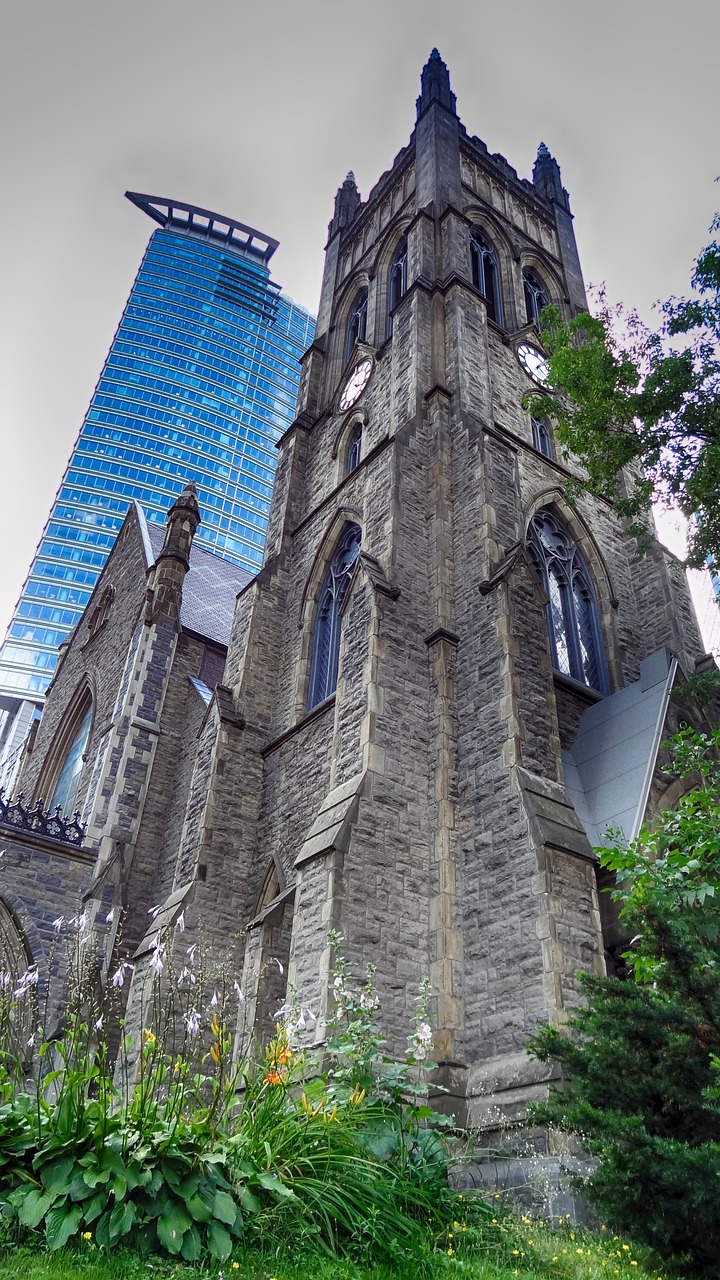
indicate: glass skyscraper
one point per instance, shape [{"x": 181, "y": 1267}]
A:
[{"x": 199, "y": 384}]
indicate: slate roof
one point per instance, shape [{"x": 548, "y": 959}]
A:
[
  {"x": 210, "y": 588},
  {"x": 609, "y": 770}
]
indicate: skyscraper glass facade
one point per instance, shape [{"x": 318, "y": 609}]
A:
[{"x": 199, "y": 384}]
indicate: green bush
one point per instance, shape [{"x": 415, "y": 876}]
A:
[{"x": 640, "y": 1065}]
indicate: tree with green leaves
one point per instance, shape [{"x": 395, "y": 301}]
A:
[
  {"x": 640, "y": 409},
  {"x": 639, "y": 1063}
]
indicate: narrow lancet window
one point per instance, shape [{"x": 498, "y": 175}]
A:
[
  {"x": 542, "y": 438},
  {"x": 486, "y": 274},
  {"x": 397, "y": 284},
  {"x": 328, "y": 618},
  {"x": 352, "y": 458},
  {"x": 536, "y": 296},
  {"x": 357, "y": 323},
  {"x": 572, "y": 613}
]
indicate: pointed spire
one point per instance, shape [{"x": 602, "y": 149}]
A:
[
  {"x": 435, "y": 85},
  {"x": 347, "y": 202},
  {"x": 546, "y": 177}
]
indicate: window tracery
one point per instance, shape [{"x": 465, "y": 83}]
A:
[
  {"x": 572, "y": 614},
  {"x": 328, "y": 616}
]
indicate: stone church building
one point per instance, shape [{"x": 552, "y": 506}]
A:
[{"x": 443, "y": 685}]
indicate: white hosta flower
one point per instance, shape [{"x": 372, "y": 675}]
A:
[
  {"x": 28, "y": 979},
  {"x": 192, "y": 1022},
  {"x": 58, "y": 924},
  {"x": 187, "y": 975},
  {"x": 238, "y": 992},
  {"x": 157, "y": 964},
  {"x": 98, "y": 1024},
  {"x": 180, "y": 922},
  {"x": 190, "y": 953},
  {"x": 154, "y": 911},
  {"x": 31, "y": 1041},
  {"x": 277, "y": 962},
  {"x": 215, "y": 1000},
  {"x": 118, "y": 977},
  {"x": 110, "y": 916}
]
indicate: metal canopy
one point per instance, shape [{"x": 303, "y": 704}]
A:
[{"x": 190, "y": 217}]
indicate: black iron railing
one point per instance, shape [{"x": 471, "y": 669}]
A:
[{"x": 13, "y": 813}]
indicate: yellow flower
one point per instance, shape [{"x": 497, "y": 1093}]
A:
[
  {"x": 578, "y": 1250},
  {"x": 450, "y": 1251},
  {"x": 554, "y": 1258},
  {"x": 495, "y": 1221},
  {"x": 525, "y": 1220},
  {"x": 626, "y": 1248},
  {"x": 87, "y": 1235},
  {"x": 215, "y": 1052},
  {"x": 456, "y": 1225},
  {"x": 236, "y": 1266},
  {"x": 633, "y": 1263},
  {"x": 148, "y": 1036},
  {"x": 516, "y": 1253}
]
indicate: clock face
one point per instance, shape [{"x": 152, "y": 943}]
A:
[
  {"x": 533, "y": 362},
  {"x": 355, "y": 384}
]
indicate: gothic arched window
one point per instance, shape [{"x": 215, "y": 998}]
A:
[
  {"x": 326, "y": 635},
  {"x": 352, "y": 457},
  {"x": 572, "y": 613},
  {"x": 542, "y": 438},
  {"x": 397, "y": 283},
  {"x": 357, "y": 323},
  {"x": 536, "y": 295},
  {"x": 65, "y": 789},
  {"x": 486, "y": 274}
]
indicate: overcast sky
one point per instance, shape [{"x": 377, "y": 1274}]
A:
[{"x": 258, "y": 111}]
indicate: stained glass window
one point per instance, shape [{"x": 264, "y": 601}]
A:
[
  {"x": 326, "y": 638},
  {"x": 572, "y": 614}
]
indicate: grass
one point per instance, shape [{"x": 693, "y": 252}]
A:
[{"x": 518, "y": 1251}]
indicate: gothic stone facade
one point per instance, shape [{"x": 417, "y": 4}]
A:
[{"x": 421, "y": 808}]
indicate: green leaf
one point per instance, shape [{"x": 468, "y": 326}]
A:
[
  {"x": 271, "y": 1182},
  {"x": 250, "y": 1202},
  {"x": 191, "y": 1245},
  {"x": 224, "y": 1207},
  {"x": 34, "y": 1207},
  {"x": 197, "y": 1209},
  {"x": 172, "y": 1225},
  {"x": 219, "y": 1242},
  {"x": 121, "y": 1221},
  {"x": 57, "y": 1177},
  {"x": 94, "y": 1207},
  {"x": 60, "y": 1224}
]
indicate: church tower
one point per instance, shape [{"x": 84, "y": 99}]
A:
[{"x": 394, "y": 750}]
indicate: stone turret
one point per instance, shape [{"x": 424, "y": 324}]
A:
[
  {"x": 435, "y": 85},
  {"x": 546, "y": 177},
  {"x": 166, "y": 577},
  {"x": 347, "y": 202}
]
